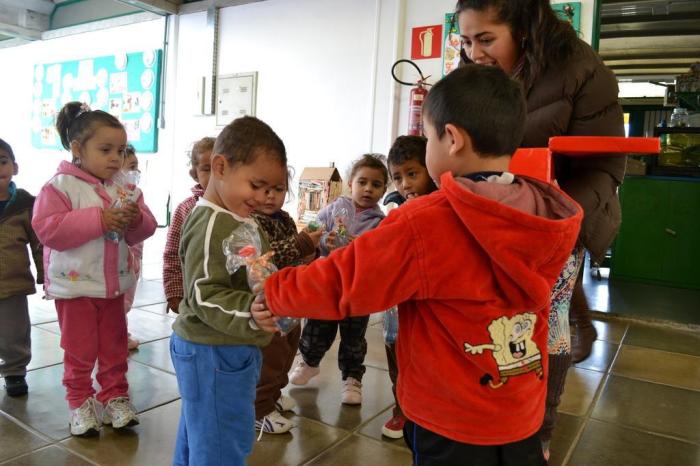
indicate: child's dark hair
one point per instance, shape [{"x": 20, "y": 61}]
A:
[
  {"x": 4, "y": 146},
  {"x": 206, "y": 144},
  {"x": 484, "y": 102},
  {"x": 76, "y": 122},
  {"x": 407, "y": 148},
  {"x": 242, "y": 140},
  {"x": 371, "y": 161}
]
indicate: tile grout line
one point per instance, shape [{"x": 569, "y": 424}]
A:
[
  {"x": 648, "y": 432},
  {"x": 594, "y": 401}
]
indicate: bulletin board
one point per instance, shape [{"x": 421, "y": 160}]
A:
[{"x": 126, "y": 85}]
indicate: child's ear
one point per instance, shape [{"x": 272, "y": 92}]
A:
[
  {"x": 218, "y": 165},
  {"x": 75, "y": 149},
  {"x": 455, "y": 138},
  {"x": 15, "y": 169}
]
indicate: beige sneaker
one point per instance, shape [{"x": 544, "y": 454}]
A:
[
  {"x": 84, "y": 420},
  {"x": 120, "y": 413},
  {"x": 274, "y": 423},
  {"x": 285, "y": 403},
  {"x": 352, "y": 392},
  {"x": 303, "y": 373}
]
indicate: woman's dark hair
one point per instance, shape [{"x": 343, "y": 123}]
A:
[
  {"x": 206, "y": 144},
  {"x": 375, "y": 161},
  {"x": 244, "y": 138},
  {"x": 7, "y": 148},
  {"x": 76, "y": 122},
  {"x": 546, "y": 40},
  {"x": 407, "y": 148},
  {"x": 483, "y": 101}
]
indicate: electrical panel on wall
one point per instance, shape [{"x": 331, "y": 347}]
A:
[{"x": 236, "y": 96}]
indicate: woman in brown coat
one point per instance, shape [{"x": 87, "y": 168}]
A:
[{"x": 569, "y": 92}]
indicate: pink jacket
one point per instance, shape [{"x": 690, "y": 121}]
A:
[{"x": 78, "y": 261}]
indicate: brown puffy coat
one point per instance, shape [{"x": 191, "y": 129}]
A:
[{"x": 580, "y": 99}]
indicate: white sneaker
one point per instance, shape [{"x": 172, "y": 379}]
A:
[
  {"x": 273, "y": 423},
  {"x": 303, "y": 373},
  {"x": 352, "y": 392},
  {"x": 120, "y": 413},
  {"x": 285, "y": 403},
  {"x": 84, "y": 420}
]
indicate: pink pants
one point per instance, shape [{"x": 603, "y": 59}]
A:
[{"x": 93, "y": 330}]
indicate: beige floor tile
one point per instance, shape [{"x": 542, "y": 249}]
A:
[
  {"x": 38, "y": 315},
  {"x": 650, "y": 407},
  {"x": 155, "y": 354},
  {"x": 149, "y": 292},
  {"x": 676, "y": 369},
  {"x": 158, "y": 309},
  {"x": 15, "y": 440},
  {"x": 320, "y": 398},
  {"x": 150, "y": 443},
  {"x": 675, "y": 341},
  {"x": 361, "y": 451},
  {"x": 50, "y": 327},
  {"x": 602, "y": 355},
  {"x": 50, "y": 456},
  {"x": 46, "y": 410},
  {"x": 609, "y": 445},
  {"x": 147, "y": 326},
  {"x": 37, "y": 301},
  {"x": 46, "y": 349},
  {"x": 563, "y": 438},
  {"x": 581, "y": 386},
  {"x": 373, "y": 429},
  {"x": 610, "y": 330},
  {"x": 304, "y": 442}
]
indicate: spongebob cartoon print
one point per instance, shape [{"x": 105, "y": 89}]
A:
[{"x": 512, "y": 348}]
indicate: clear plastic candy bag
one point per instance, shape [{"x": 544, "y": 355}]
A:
[
  {"x": 391, "y": 325},
  {"x": 126, "y": 182},
  {"x": 341, "y": 224},
  {"x": 242, "y": 249}
]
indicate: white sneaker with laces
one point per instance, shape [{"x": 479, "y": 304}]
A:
[
  {"x": 285, "y": 403},
  {"x": 303, "y": 373},
  {"x": 120, "y": 413},
  {"x": 273, "y": 423},
  {"x": 352, "y": 392},
  {"x": 84, "y": 420}
]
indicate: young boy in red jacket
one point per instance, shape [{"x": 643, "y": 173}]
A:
[{"x": 472, "y": 266}]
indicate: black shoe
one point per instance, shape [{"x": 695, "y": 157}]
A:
[{"x": 15, "y": 385}]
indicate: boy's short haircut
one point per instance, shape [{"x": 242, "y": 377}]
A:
[
  {"x": 242, "y": 140},
  {"x": 407, "y": 148},
  {"x": 4, "y": 146},
  {"x": 484, "y": 102}
]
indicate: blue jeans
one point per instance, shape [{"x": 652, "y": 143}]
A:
[{"x": 217, "y": 385}]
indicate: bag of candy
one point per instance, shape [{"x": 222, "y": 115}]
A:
[
  {"x": 242, "y": 249},
  {"x": 126, "y": 182}
]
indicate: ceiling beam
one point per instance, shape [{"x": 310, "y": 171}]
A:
[
  {"x": 40, "y": 6},
  {"x": 658, "y": 27},
  {"x": 22, "y": 23},
  {"x": 196, "y": 7},
  {"x": 159, "y": 7},
  {"x": 659, "y": 66},
  {"x": 650, "y": 54}
]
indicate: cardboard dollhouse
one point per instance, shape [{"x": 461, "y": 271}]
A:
[{"x": 318, "y": 186}]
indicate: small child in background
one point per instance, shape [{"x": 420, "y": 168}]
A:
[
  {"x": 88, "y": 269},
  {"x": 131, "y": 163},
  {"x": 215, "y": 345},
  {"x": 15, "y": 275},
  {"x": 200, "y": 169},
  {"x": 411, "y": 179},
  {"x": 368, "y": 183},
  {"x": 291, "y": 248}
]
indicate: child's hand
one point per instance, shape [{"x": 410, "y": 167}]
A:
[
  {"x": 174, "y": 304},
  {"x": 113, "y": 219},
  {"x": 262, "y": 315},
  {"x": 330, "y": 240},
  {"x": 314, "y": 235},
  {"x": 132, "y": 213}
]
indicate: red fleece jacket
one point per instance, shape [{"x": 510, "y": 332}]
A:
[{"x": 472, "y": 266}]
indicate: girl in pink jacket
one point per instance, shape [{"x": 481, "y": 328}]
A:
[{"x": 88, "y": 268}]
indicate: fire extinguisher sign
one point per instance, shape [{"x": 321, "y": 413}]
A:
[{"x": 426, "y": 42}]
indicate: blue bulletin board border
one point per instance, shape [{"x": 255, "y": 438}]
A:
[{"x": 125, "y": 85}]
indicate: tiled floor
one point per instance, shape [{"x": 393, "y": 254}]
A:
[{"x": 635, "y": 401}]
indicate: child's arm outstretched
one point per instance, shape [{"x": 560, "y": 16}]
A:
[
  {"x": 172, "y": 269},
  {"x": 376, "y": 271},
  {"x": 60, "y": 227}
]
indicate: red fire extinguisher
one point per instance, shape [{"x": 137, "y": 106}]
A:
[{"x": 418, "y": 93}]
